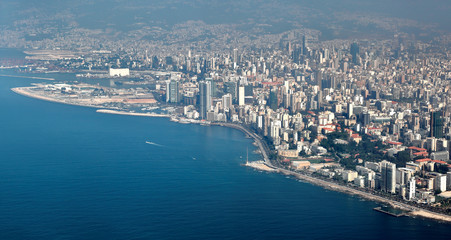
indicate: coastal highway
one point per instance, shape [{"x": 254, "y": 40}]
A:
[
  {"x": 264, "y": 150},
  {"x": 414, "y": 211},
  {"x": 265, "y": 153}
]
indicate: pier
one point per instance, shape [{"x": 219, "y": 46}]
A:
[{"x": 400, "y": 214}]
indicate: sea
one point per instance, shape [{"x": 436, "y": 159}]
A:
[{"x": 68, "y": 172}]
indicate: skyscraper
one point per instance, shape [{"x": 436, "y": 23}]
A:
[
  {"x": 319, "y": 79},
  {"x": 319, "y": 99},
  {"x": 436, "y": 124},
  {"x": 205, "y": 98},
  {"x": 350, "y": 109},
  {"x": 304, "y": 45},
  {"x": 365, "y": 118},
  {"x": 231, "y": 87},
  {"x": 235, "y": 55},
  {"x": 355, "y": 50},
  {"x": 388, "y": 174},
  {"x": 172, "y": 91},
  {"x": 241, "y": 96},
  {"x": 213, "y": 86},
  {"x": 273, "y": 100},
  {"x": 227, "y": 101},
  {"x": 411, "y": 188}
]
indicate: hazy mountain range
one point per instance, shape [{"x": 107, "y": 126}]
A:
[{"x": 335, "y": 19}]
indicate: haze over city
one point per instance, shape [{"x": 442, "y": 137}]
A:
[{"x": 231, "y": 119}]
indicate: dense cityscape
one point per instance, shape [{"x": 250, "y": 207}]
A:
[{"x": 369, "y": 114}]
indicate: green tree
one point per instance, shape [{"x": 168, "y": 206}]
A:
[{"x": 402, "y": 158}]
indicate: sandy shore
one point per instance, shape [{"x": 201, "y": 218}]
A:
[{"x": 108, "y": 111}]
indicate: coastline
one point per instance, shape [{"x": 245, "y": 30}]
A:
[
  {"x": 109, "y": 111},
  {"x": 412, "y": 211},
  {"x": 266, "y": 165},
  {"x": 40, "y": 78},
  {"x": 23, "y": 92}
]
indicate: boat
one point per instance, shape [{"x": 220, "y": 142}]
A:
[
  {"x": 205, "y": 123},
  {"x": 184, "y": 121},
  {"x": 155, "y": 144}
]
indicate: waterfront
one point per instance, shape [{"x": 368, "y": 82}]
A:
[
  {"x": 106, "y": 182},
  {"x": 264, "y": 165}
]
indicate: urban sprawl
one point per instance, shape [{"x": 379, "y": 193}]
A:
[{"x": 373, "y": 115}]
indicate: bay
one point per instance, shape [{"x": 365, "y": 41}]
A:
[{"x": 67, "y": 172}]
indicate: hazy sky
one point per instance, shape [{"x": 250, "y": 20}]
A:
[{"x": 317, "y": 13}]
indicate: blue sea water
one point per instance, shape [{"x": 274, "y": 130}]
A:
[{"x": 67, "y": 172}]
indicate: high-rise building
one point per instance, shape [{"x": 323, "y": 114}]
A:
[
  {"x": 411, "y": 188},
  {"x": 416, "y": 122},
  {"x": 230, "y": 87},
  {"x": 241, "y": 96},
  {"x": 436, "y": 124},
  {"x": 365, "y": 118},
  {"x": 213, "y": 86},
  {"x": 355, "y": 50},
  {"x": 235, "y": 55},
  {"x": 172, "y": 91},
  {"x": 205, "y": 98},
  {"x": 350, "y": 109},
  {"x": 227, "y": 101},
  {"x": 440, "y": 183},
  {"x": 273, "y": 100},
  {"x": 319, "y": 79},
  {"x": 319, "y": 98},
  {"x": 388, "y": 175},
  {"x": 304, "y": 45}
]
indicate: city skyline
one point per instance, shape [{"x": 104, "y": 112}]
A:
[{"x": 353, "y": 96}]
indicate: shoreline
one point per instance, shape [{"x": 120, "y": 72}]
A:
[
  {"x": 40, "y": 78},
  {"x": 266, "y": 164},
  {"x": 412, "y": 210},
  {"x": 117, "y": 112},
  {"x": 23, "y": 92}
]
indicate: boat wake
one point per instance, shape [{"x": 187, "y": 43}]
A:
[{"x": 155, "y": 144}]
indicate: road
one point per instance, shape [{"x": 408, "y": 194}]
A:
[{"x": 334, "y": 186}]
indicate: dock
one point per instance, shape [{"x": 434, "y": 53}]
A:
[
  {"x": 379, "y": 209},
  {"x": 260, "y": 165}
]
